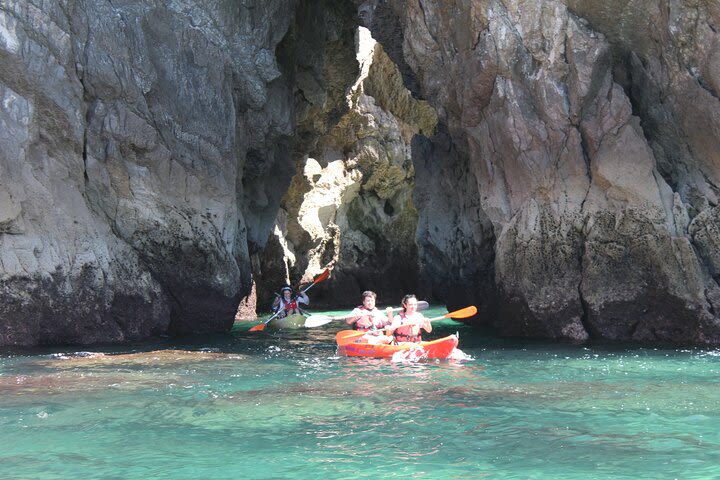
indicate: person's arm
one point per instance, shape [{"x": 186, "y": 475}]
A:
[
  {"x": 278, "y": 304},
  {"x": 379, "y": 319},
  {"x": 354, "y": 316},
  {"x": 424, "y": 323},
  {"x": 276, "y": 301},
  {"x": 303, "y": 298},
  {"x": 396, "y": 322},
  {"x": 388, "y": 320},
  {"x": 389, "y": 313}
]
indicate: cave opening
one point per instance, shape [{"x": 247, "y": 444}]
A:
[{"x": 349, "y": 206}]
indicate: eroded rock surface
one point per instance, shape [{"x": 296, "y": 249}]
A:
[
  {"x": 565, "y": 176},
  {"x": 144, "y": 149},
  {"x": 582, "y": 138},
  {"x": 351, "y": 207}
]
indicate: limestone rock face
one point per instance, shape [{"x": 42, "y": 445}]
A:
[
  {"x": 576, "y": 163},
  {"x": 562, "y": 170},
  {"x": 144, "y": 149},
  {"x": 351, "y": 207}
]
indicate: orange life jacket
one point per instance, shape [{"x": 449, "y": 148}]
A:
[
  {"x": 404, "y": 333},
  {"x": 362, "y": 328}
]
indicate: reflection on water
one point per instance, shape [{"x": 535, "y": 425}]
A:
[{"x": 284, "y": 405}]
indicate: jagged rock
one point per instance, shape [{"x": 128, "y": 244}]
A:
[
  {"x": 565, "y": 174},
  {"x": 590, "y": 134},
  {"x": 144, "y": 148},
  {"x": 247, "y": 310}
]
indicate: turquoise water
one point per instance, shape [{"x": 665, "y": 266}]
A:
[{"x": 282, "y": 405}]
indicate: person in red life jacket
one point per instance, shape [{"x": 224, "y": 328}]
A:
[
  {"x": 407, "y": 325},
  {"x": 367, "y": 318},
  {"x": 289, "y": 304}
]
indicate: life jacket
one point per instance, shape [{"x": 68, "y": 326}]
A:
[
  {"x": 404, "y": 333},
  {"x": 288, "y": 308},
  {"x": 362, "y": 328},
  {"x": 371, "y": 327},
  {"x": 291, "y": 305}
]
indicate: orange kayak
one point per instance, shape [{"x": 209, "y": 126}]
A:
[{"x": 440, "y": 348}]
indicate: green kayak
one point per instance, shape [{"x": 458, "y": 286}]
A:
[{"x": 288, "y": 323}]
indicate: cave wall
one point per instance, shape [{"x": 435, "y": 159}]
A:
[
  {"x": 568, "y": 185},
  {"x": 350, "y": 206},
  {"x": 583, "y": 139},
  {"x": 144, "y": 149}
]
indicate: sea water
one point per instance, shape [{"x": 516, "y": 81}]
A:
[{"x": 262, "y": 405}]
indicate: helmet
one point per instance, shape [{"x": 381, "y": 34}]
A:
[{"x": 286, "y": 287}]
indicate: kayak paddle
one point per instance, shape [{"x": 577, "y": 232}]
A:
[
  {"x": 323, "y": 276},
  {"x": 346, "y": 336},
  {"x": 319, "y": 320}
]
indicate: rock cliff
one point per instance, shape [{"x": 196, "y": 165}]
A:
[
  {"x": 583, "y": 140},
  {"x": 556, "y": 163},
  {"x": 144, "y": 149}
]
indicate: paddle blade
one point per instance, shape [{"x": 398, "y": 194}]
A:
[
  {"x": 317, "y": 320},
  {"x": 323, "y": 276},
  {"x": 348, "y": 336},
  {"x": 257, "y": 328},
  {"x": 462, "y": 313}
]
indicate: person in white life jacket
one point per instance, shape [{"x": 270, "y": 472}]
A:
[
  {"x": 367, "y": 318},
  {"x": 287, "y": 303},
  {"x": 407, "y": 325}
]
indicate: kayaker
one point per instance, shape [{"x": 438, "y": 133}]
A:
[
  {"x": 287, "y": 303},
  {"x": 367, "y": 318},
  {"x": 407, "y": 325}
]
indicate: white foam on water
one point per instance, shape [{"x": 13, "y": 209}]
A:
[
  {"x": 458, "y": 354},
  {"x": 410, "y": 355}
]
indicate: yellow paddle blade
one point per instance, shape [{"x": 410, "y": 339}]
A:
[{"x": 462, "y": 313}]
